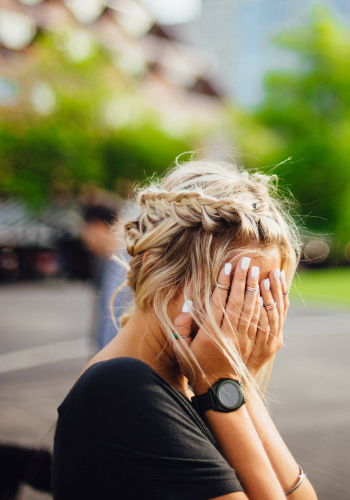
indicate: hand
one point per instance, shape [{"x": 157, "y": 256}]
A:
[
  {"x": 236, "y": 314},
  {"x": 269, "y": 338}
]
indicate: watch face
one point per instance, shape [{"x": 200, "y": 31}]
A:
[{"x": 229, "y": 394}]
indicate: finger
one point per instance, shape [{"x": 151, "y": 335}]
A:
[
  {"x": 236, "y": 297},
  {"x": 284, "y": 288},
  {"x": 183, "y": 323},
  {"x": 263, "y": 332},
  {"x": 249, "y": 300},
  {"x": 220, "y": 293},
  {"x": 253, "y": 326},
  {"x": 272, "y": 314},
  {"x": 276, "y": 291}
]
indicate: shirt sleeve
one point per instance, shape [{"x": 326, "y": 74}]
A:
[{"x": 149, "y": 430}]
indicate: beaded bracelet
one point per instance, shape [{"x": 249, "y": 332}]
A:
[{"x": 301, "y": 477}]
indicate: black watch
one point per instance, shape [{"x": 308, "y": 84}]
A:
[{"x": 225, "y": 396}]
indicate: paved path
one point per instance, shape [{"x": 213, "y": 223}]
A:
[{"x": 44, "y": 331}]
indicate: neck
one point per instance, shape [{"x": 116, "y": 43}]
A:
[{"x": 142, "y": 338}]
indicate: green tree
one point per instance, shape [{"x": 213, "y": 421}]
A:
[
  {"x": 306, "y": 116},
  {"x": 72, "y": 144}
]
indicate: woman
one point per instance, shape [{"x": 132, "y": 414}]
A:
[{"x": 169, "y": 409}]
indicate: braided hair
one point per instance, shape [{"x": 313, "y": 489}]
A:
[{"x": 198, "y": 216}]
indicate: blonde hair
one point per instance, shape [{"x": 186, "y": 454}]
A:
[{"x": 198, "y": 216}]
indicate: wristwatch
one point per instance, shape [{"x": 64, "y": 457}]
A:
[{"x": 226, "y": 395}]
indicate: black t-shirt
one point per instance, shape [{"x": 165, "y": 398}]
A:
[{"x": 124, "y": 433}]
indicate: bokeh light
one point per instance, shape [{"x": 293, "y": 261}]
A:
[
  {"x": 16, "y": 29},
  {"x": 316, "y": 251},
  {"x": 7, "y": 241}
]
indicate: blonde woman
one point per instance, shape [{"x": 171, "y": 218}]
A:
[{"x": 170, "y": 409}]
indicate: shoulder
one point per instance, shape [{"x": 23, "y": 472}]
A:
[
  {"x": 119, "y": 388},
  {"x": 110, "y": 371},
  {"x": 114, "y": 377}
]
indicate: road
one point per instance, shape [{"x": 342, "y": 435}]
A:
[{"x": 44, "y": 345}]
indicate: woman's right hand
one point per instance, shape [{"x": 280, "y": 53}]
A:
[
  {"x": 236, "y": 313},
  {"x": 255, "y": 333}
]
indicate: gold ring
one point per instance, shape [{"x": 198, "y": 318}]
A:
[
  {"x": 251, "y": 288},
  {"x": 270, "y": 306},
  {"x": 224, "y": 287}
]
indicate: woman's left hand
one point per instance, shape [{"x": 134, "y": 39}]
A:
[{"x": 269, "y": 337}]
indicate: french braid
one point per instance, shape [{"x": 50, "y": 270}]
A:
[{"x": 198, "y": 216}]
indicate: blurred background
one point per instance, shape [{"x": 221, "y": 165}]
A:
[{"x": 97, "y": 95}]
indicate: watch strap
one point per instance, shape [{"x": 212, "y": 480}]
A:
[{"x": 204, "y": 402}]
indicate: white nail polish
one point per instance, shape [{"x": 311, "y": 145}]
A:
[
  {"x": 245, "y": 263},
  {"x": 277, "y": 274},
  {"x": 283, "y": 276},
  {"x": 187, "y": 306},
  {"x": 228, "y": 268},
  {"x": 254, "y": 272},
  {"x": 267, "y": 284},
  {"x": 261, "y": 302}
]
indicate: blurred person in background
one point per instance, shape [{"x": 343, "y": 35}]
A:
[
  {"x": 32, "y": 466},
  {"x": 107, "y": 274},
  {"x": 170, "y": 408}
]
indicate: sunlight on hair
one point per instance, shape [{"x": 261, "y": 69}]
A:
[{"x": 198, "y": 216}]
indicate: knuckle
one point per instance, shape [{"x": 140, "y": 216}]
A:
[
  {"x": 217, "y": 302},
  {"x": 241, "y": 276},
  {"x": 279, "y": 343},
  {"x": 276, "y": 284},
  {"x": 248, "y": 308}
]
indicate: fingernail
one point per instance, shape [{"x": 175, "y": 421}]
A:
[
  {"x": 277, "y": 274},
  {"x": 283, "y": 276},
  {"x": 245, "y": 263},
  {"x": 261, "y": 302},
  {"x": 254, "y": 272},
  {"x": 267, "y": 284},
  {"x": 187, "y": 306},
  {"x": 228, "y": 268}
]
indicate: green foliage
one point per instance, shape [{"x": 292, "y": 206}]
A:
[
  {"x": 72, "y": 145},
  {"x": 306, "y": 116},
  {"x": 36, "y": 157},
  {"x": 327, "y": 286}
]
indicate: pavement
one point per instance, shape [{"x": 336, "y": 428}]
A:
[{"x": 44, "y": 344}]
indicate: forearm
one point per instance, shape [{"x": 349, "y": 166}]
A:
[
  {"x": 242, "y": 448},
  {"x": 282, "y": 461}
]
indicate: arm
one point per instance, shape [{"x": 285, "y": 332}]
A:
[
  {"x": 268, "y": 340},
  {"x": 240, "y": 445},
  {"x": 282, "y": 461},
  {"x": 263, "y": 463}
]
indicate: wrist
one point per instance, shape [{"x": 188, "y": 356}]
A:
[
  {"x": 225, "y": 396},
  {"x": 201, "y": 386}
]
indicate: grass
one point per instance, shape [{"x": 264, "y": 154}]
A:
[{"x": 323, "y": 285}]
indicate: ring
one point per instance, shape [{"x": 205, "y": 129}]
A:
[
  {"x": 284, "y": 294},
  {"x": 251, "y": 288},
  {"x": 182, "y": 336},
  {"x": 224, "y": 287},
  {"x": 270, "y": 306}
]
